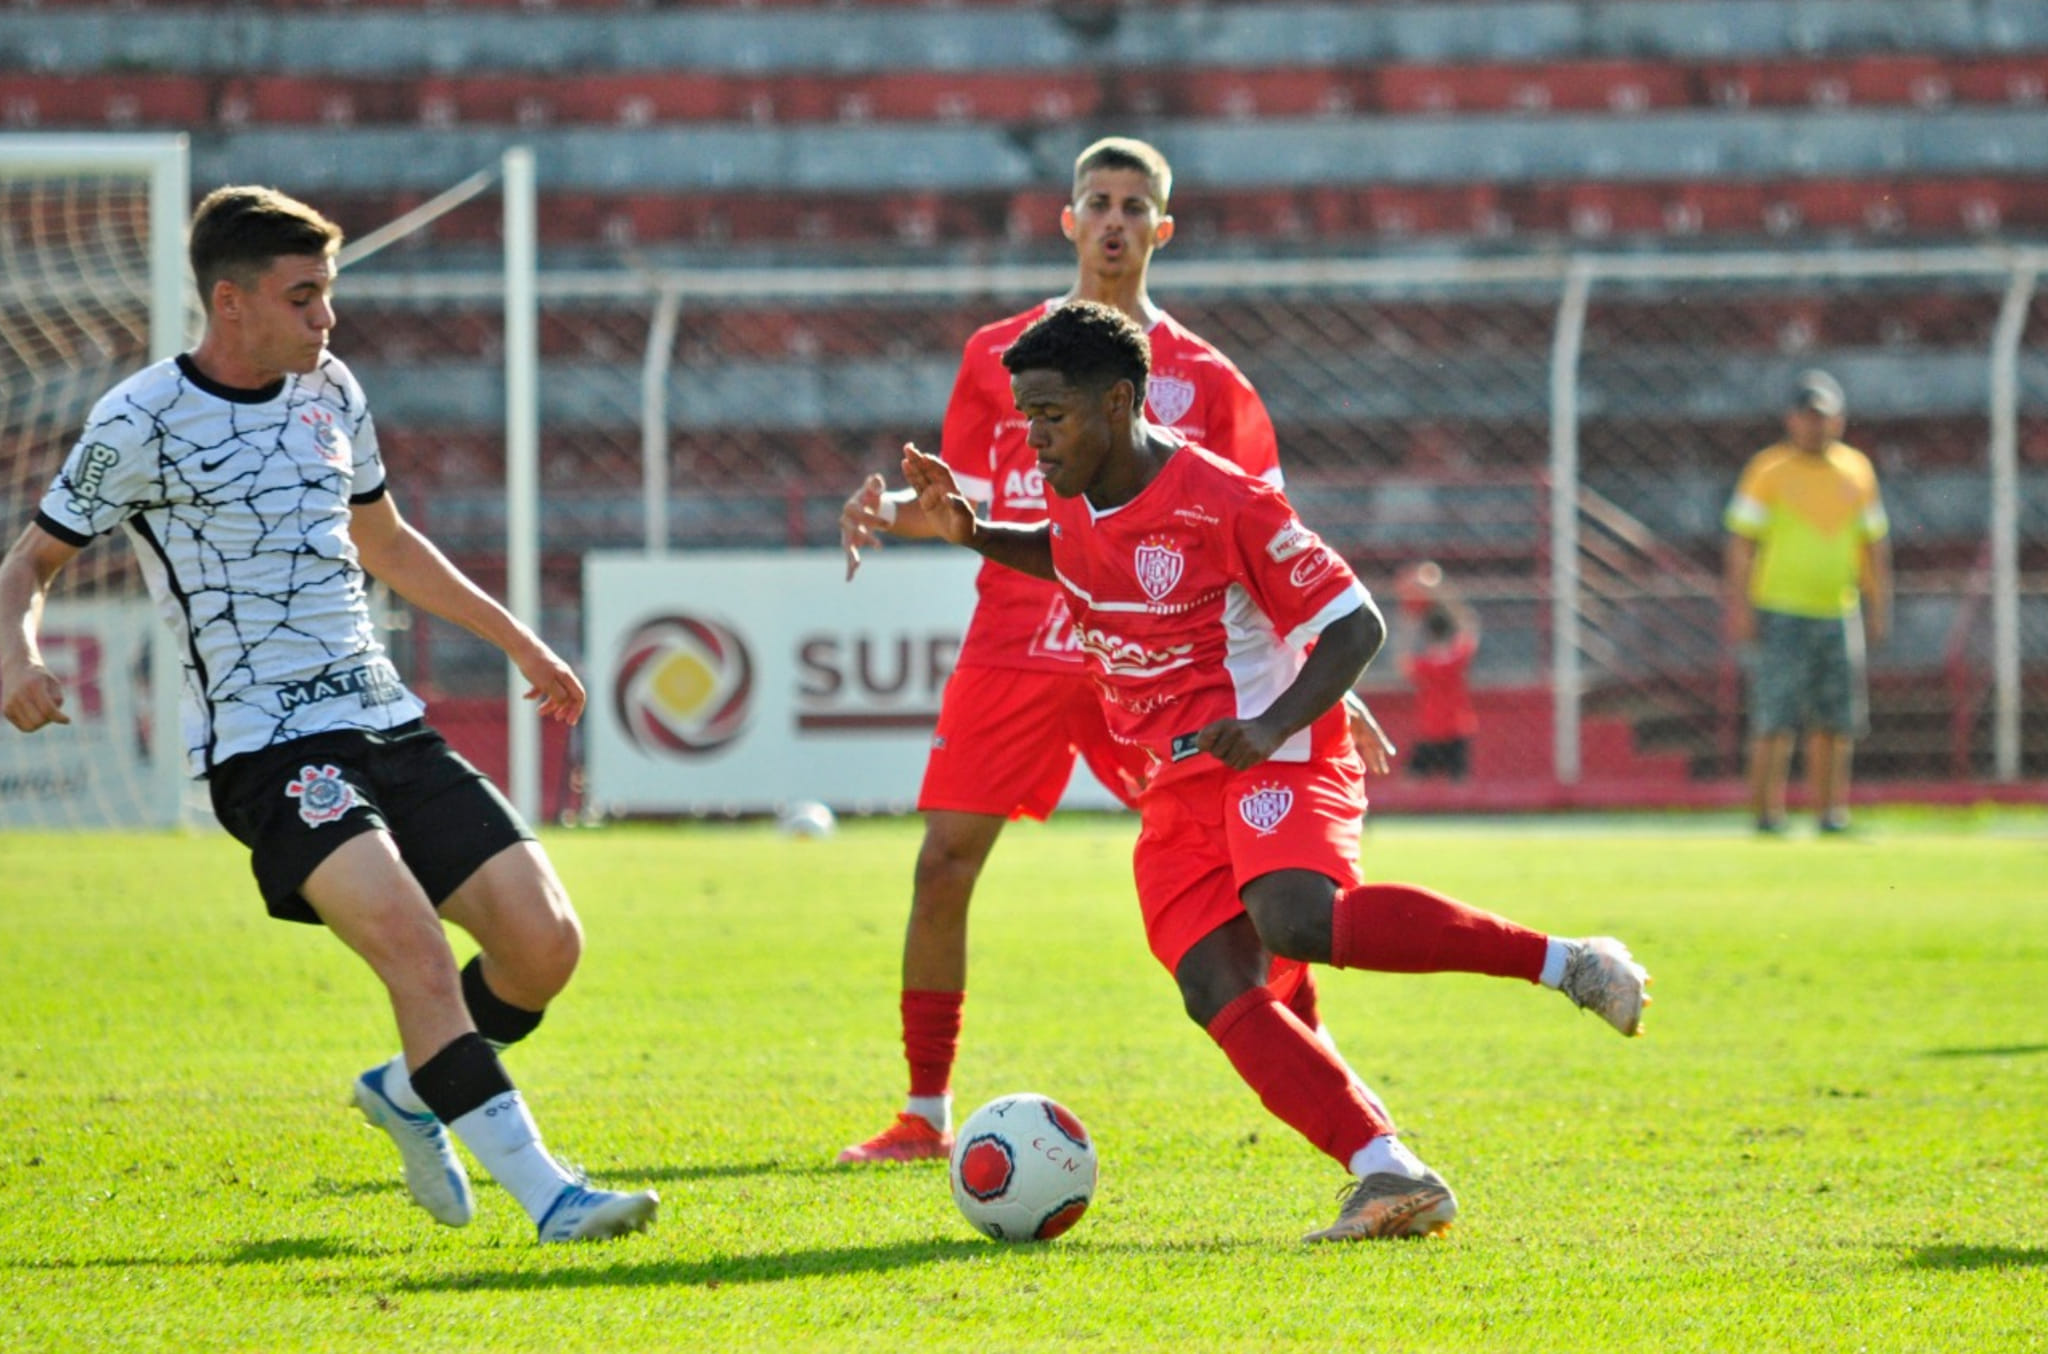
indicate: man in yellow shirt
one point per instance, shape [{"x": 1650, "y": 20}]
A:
[{"x": 1807, "y": 571}]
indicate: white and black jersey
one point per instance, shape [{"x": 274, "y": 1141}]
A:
[{"x": 238, "y": 503}]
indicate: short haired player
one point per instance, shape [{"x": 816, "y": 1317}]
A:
[
  {"x": 1018, "y": 708},
  {"x": 247, "y": 476},
  {"x": 1222, "y": 634}
]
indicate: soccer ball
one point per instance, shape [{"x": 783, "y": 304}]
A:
[
  {"x": 806, "y": 818},
  {"x": 1023, "y": 1168}
]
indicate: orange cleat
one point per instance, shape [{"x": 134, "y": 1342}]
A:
[{"x": 910, "y": 1138}]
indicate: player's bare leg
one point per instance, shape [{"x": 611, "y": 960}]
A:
[
  {"x": 949, "y": 863},
  {"x": 516, "y": 909},
  {"x": 1827, "y": 770},
  {"x": 1770, "y": 766},
  {"x": 449, "y": 1075}
]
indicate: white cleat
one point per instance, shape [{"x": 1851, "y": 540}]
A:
[
  {"x": 433, "y": 1173},
  {"x": 1386, "y": 1205},
  {"x": 580, "y": 1213},
  {"x": 1603, "y": 977}
]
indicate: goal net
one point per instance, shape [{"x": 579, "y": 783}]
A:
[{"x": 92, "y": 288}]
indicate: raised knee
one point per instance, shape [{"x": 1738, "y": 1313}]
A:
[{"x": 946, "y": 871}]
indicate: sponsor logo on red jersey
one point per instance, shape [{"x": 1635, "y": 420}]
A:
[
  {"x": 1290, "y": 541},
  {"x": 1115, "y": 654}
]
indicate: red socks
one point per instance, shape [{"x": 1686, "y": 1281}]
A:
[
  {"x": 1399, "y": 928},
  {"x": 931, "y": 1039},
  {"x": 1300, "y": 1081}
]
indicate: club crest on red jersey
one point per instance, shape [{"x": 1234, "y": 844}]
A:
[
  {"x": 1169, "y": 397},
  {"x": 1159, "y": 567},
  {"x": 1264, "y": 808},
  {"x": 322, "y": 794}
]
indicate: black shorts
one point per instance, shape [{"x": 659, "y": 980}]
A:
[
  {"x": 292, "y": 805},
  {"x": 1450, "y": 756}
]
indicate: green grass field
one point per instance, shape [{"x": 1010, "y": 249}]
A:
[{"x": 1834, "y": 1137}]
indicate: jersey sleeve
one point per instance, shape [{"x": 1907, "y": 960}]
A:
[
  {"x": 1872, "y": 520},
  {"x": 367, "y": 479},
  {"x": 111, "y": 474},
  {"x": 1749, "y": 510},
  {"x": 967, "y": 440},
  {"x": 1292, "y": 574},
  {"x": 1240, "y": 428}
]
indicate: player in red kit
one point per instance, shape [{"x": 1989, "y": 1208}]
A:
[
  {"x": 1221, "y": 634},
  {"x": 1018, "y": 707}
]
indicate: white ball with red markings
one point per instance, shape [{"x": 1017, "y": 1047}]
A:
[{"x": 1023, "y": 1168}]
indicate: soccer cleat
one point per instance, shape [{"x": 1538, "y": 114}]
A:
[
  {"x": 910, "y": 1138},
  {"x": 1387, "y": 1204},
  {"x": 580, "y": 1213},
  {"x": 433, "y": 1173},
  {"x": 1602, "y": 977}
]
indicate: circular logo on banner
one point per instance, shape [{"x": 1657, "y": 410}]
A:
[{"x": 683, "y": 686}]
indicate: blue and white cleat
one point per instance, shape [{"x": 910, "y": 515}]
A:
[
  {"x": 433, "y": 1173},
  {"x": 580, "y": 1213}
]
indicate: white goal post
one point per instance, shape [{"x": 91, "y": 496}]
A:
[{"x": 92, "y": 288}]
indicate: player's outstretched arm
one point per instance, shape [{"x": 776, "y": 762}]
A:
[
  {"x": 1334, "y": 666},
  {"x": 875, "y": 510},
  {"x": 397, "y": 555},
  {"x": 1027, "y": 549},
  {"x": 30, "y": 694}
]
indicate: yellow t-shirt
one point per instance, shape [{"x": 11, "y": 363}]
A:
[{"x": 1811, "y": 517}]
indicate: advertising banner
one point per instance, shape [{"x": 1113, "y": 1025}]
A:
[
  {"x": 740, "y": 682},
  {"x": 98, "y": 770}
]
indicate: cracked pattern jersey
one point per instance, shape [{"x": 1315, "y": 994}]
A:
[{"x": 237, "y": 503}]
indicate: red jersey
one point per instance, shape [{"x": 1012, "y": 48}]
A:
[
  {"x": 1443, "y": 702},
  {"x": 1020, "y": 621},
  {"x": 1198, "y": 601}
]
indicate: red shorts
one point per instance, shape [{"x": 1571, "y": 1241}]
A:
[
  {"x": 1006, "y": 742},
  {"x": 1208, "y": 835}
]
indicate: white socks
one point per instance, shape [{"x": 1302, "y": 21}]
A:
[
  {"x": 936, "y": 1110},
  {"x": 501, "y": 1135},
  {"x": 398, "y": 1087},
  {"x": 1386, "y": 1155},
  {"x": 1555, "y": 958}
]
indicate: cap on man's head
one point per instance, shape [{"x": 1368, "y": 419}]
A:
[{"x": 1820, "y": 392}]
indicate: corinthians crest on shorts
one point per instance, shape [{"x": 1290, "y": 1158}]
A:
[
  {"x": 322, "y": 794},
  {"x": 1263, "y": 809}
]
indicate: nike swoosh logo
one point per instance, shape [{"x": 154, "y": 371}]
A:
[{"x": 208, "y": 467}]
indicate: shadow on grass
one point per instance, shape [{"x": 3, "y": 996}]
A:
[
  {"x": 728, "y": 1170},
  {"x": 1994, "y": 1051},
  {"x": 711, "y": 1273},
  {"x": 277, "y": 1250},
  {"x": 1961, "y": 1257}
]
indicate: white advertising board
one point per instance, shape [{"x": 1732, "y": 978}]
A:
[
  {"x": 100, "y": 770},
  {"x": 738, "y": 682}
]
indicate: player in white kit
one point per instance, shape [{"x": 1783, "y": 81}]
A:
[{"x": 247, "y": 477}]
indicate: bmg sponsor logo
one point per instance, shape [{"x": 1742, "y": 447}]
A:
[{"x": 684, "y": 686}]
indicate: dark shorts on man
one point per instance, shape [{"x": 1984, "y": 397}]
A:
[
  {"x": 294, "y": 804},
  {"x": 1442, "y": 757},
  {"x": 1806, "y": 672}
]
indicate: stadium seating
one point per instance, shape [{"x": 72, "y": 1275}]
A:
[{"x": 723, "y": 131}]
